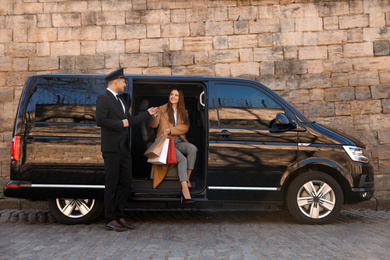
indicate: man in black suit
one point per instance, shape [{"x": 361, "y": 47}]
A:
[{"x": 112, "y": 115}]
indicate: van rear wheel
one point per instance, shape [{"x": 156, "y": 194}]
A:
[
  {"x": 75, "y": 211},
  {"x": 314, "y": 198}
]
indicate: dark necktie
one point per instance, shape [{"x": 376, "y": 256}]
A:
[{"x": 120, "y": 104}]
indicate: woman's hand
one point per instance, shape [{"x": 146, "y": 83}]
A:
[
  {"x": 153, "y": 110},
  {"x": 167, "y": 131}
]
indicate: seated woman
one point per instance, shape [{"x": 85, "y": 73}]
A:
[{"x": 172, "y": 119}]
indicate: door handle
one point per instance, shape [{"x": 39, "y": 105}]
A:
[{"x": 224, "y": 134}]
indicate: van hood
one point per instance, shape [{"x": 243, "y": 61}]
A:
[{"x": 343, "y": 138}]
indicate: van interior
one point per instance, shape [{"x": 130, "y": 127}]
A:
[{"x": 150, "y": 94}]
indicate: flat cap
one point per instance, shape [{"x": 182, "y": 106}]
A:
[{"x": 116, "y": 74}]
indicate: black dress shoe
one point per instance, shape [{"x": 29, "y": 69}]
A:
[
  {"x": 123, "y": 223},
  {"x": 114, "y": 225}
]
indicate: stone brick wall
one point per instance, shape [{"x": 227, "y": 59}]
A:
[{"x": 330, "y": 59}]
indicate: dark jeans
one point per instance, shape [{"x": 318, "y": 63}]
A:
[{"x": 117, "y": 184}]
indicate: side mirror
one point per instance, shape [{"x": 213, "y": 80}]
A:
[{"x": 282, "y": 122}]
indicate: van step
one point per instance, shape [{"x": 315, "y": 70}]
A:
[{"x": 164, "y": 197}]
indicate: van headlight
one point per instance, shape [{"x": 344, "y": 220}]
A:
[{"x": 356, "y": 153}]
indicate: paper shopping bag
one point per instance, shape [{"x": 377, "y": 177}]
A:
[
  {"x": 162, "y": 158},
  {"x": 171, "y": 156},
  {"x": 155, "y": 149}
]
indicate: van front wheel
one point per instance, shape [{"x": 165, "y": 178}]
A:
[
  {"x": 314, "y": 198},
  {"x": 75, "y": 211}
]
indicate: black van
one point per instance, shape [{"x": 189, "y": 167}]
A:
[{"x": 252, "y": 147}]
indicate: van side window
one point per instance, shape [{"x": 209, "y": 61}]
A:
[
  {"x": 65, "y": 100},
  {"x": 60, "y": 104},
  {"x": 213, "y": 109},
  {"x": 96, "y": 88},
  {"x": 245, "y": 107}
]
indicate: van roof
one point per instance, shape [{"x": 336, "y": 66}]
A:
[{"x": 143, "y": 76}]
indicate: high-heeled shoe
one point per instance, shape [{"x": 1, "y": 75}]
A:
[{"x": 184, "y": 200}]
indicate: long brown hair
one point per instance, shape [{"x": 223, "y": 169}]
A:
[{"x": 181, "y": 108}]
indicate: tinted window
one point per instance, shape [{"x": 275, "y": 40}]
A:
[
  {"x": 243, "y": 106},
  {"x": 213, "y": 109},
  {"x": 65, "y": 100}
]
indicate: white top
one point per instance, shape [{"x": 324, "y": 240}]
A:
[{"x": 175, "y": 115}]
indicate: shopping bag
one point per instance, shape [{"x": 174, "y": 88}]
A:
[
  {"x": 171, "y": 156},
  {"x": 155, "y": 149},
  {"x": 162, "y": 158}
]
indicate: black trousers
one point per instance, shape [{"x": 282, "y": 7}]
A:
[{"x": 118, "y": 181}]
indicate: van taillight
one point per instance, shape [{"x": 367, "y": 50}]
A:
[
  {"x": 12, "y": 186},
  {"x": 15, "y": 150}
]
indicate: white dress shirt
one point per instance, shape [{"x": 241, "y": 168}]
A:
[{"x": 117, "y": 97}]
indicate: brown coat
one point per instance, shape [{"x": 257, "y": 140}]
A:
[{"x": 162, "y": 122}]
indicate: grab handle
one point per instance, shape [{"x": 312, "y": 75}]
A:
[{"x": 201, "y": 96}]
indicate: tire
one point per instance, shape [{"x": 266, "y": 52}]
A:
[
  {"x": 75, "y": 211},
  {"x": 314, "y": 198}
]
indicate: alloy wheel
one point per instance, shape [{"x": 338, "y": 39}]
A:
[
  {"x": 316, "y": 199},
  {"x": 75, "y": 208}
]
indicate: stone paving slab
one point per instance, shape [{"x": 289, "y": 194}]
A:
[
  {"x": 197, "y": 234},
  {"x": 383, "y": 204}
]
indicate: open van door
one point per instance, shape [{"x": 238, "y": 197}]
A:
[
  {"x": 150, "y": 91},
  {"x": 247, "y": 154}
]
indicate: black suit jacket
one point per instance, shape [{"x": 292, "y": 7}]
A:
[{"x": 109, "y": 116}]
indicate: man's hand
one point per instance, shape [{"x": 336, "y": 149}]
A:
[
  {"x": 153, "y": 110},
  {"x": 125, "y": 123}
]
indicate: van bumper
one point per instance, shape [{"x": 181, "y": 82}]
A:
[{"x": 364, "y": 185}]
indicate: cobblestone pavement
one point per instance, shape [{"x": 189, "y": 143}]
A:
[{"x": 197, "y": 234}]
